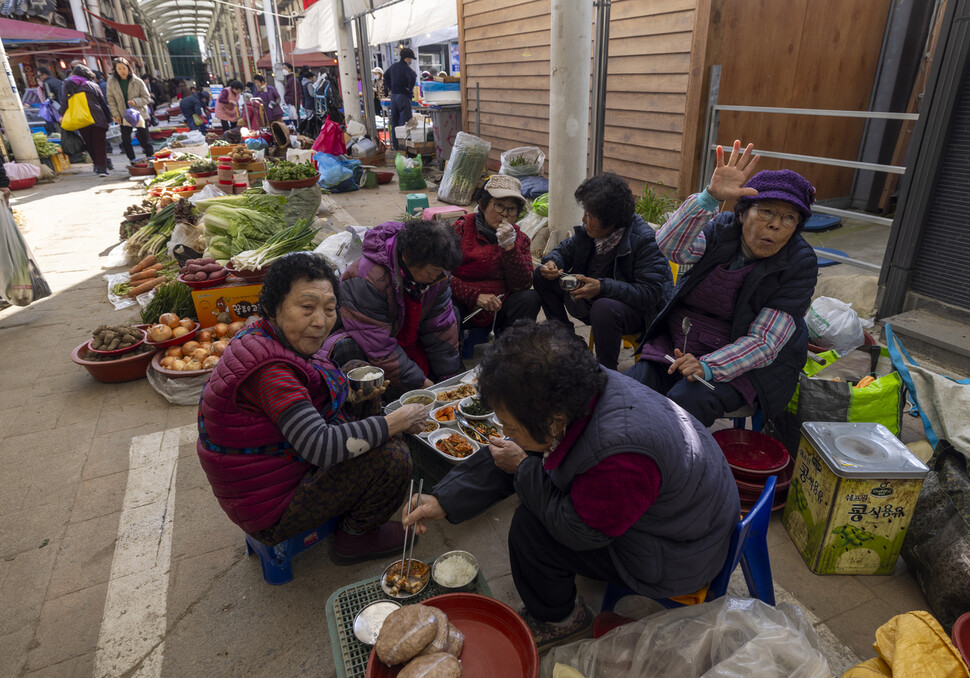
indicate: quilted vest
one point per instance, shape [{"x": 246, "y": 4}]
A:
[
  {"x": 682, "y": 539},
  {"x": 243, "y": 453}
]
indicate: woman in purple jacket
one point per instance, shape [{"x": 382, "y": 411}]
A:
[
  {"x": 284, "y": 444},
  {"x": 270, "y": 98},
  {"x": 83, "y": 80}
]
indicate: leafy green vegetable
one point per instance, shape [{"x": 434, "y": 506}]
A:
[
  {"x": 297, "y": 238},
  {"x": 241, "y": 221},
  {"x": 45, "y": 148},
  {"x": 653, "y": 206},
  {"x": 284, "y": 170},
  {"x": 167, "y": 176},
  {"x": 172, "y": 297},
  {"x": 541, "y": 205},
  {"x": 202, "y": 167}
]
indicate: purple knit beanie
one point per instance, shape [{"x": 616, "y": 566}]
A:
[{"x": 785, "y": 185}]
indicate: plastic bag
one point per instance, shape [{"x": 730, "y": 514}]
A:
[
  {"x": 332, "y": 172},
  {"x": 465, "y": 167},
  {"x": 531, "y": 223},
  {"x": 133, "y": 117},
  {"x": 119, "y": 302},
  {"x": 342, "y": 249},
  {"x": 209, "y": 191},
  {"x": 21, "y": 170},
  {"x": 833, "y": 324},
  {"x": 301, "y": 203},
  {"x": 331, "y": 139},
  {"x": 524, "y": 161},
  {"x": 726, "y": 638},
  {"x": 116, "y": 257},
  {"x": 193, "y": 138},
  {"x": 21, "y": 282},
  {"x": 409, "y": 176},
  {"x": 48, "y": 112},
  {"x": 541, "y": 205},
  {"x": 181, "y": 391},
  {"x": 187, "y": 234}
]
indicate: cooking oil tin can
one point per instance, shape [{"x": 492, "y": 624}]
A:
[{"x": 853, "y": 493}]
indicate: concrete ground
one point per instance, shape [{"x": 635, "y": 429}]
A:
[{"x": 115, "y": 559}]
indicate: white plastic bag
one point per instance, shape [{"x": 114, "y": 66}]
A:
[
  {"x": 210, "y": 191},
  {"x": 116, "y": 257},
  {"x": 524, "y": 161},
  {"x": 21, "y": 281},
  {"x": 301, "y": 203},
  {"x": 190, "y": 235},
  {"x": 182, "y": 391},
  {"x": 17, "y": 171},
  {"x": 342, "y": 249},
  {"x": 832, "y": 323},
  {"x": 119, "y": 302},
  {"x": 531, "y": 224},
  {"x": 464, "y": 169},
  {"x": 726, "y": 638}
]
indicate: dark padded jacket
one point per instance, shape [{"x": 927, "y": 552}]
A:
[
  {"x": 677, "y": 545},
  {"x": 784, "y": 281},
  {"x": 641, "y": 275}
]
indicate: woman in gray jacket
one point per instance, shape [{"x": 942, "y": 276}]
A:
[{"x": 126, "y": 90}]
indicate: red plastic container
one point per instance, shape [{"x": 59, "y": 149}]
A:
[
  {"x": 20, "y": 184},
  {"x": 125, "y": 368},
  {"x": 751, "y": 454},
  {"x": 961, "y": 636},
  {"x": 175, "y": 341},
  {"x": 498, "y": 642},
  {"x": 120, "y": 351},
  {"x": 296, "y": 183},
  {"x": 205, "y": 284}
]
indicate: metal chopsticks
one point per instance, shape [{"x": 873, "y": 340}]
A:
[{"x": 414, "y": 529}]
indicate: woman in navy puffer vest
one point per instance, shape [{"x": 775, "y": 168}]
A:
[{"x": 745, "y": 296}]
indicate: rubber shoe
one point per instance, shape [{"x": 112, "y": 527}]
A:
[
  {"x": 548, "y": 634},
  {"x": 381, "y": 542}
]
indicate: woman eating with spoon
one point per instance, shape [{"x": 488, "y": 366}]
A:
[{"x": 737, "y": 317}]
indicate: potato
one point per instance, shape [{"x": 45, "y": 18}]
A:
[
  {"x": 213, "y": 268},
  {"x": 438, "y": 665},
  {"x": 406, "y": 631}
]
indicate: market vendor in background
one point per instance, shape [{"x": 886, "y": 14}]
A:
[
  {"x": 227, "y": 108},
  {"x": 283, "y": 443},
  {"x": 614, "y": 483},
  {"x": 399, "y": 82},
  {"x": 746, "y": 294},
  {"x": 496, "y": 259},
  {"x": 193, "y": 111},
  {"x": 126, "y": 90},
  {"x": 291, "y": 91},
  {"x": 378, "y": 84},
  {"x": 624, "y": 279},
  {"x": 270, "y": 97},
  {"x": 396, "y": 303}
]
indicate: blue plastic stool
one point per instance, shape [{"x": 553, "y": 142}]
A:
[
  {"x": 416, "y": 200},
  {"x": 276, "y": 559},
  {"x": 473, "y": 337},
  {"x": 749, "y": 547},
  {"x": 825, "y": 261}
]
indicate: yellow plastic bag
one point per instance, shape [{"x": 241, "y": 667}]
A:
[
  {"x": 912, "y": 645},
  {"x": 78, "y": 113}
]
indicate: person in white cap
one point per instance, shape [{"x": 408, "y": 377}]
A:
[
  {"x": 379, "y": 91},
  {"x": 496, "y": 260}
]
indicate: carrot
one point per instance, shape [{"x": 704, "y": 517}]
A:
[
  {"x": 143, "y": 264},
  {"x": 145, "y": 286},
  {"x": 865, "y": 381}
]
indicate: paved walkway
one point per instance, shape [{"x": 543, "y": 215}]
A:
[{"x": 116, "y": 560}]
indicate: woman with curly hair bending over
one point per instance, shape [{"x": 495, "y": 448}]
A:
[{"x": 615, "y": 483}]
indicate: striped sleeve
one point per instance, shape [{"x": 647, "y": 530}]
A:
[
  {"x": 327, "y": 445},
  {"x": 682, "y": 239},
  {"x": 272, "y": 389},
  {"x": 766, "y": 336}
]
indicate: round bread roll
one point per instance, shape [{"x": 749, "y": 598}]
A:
[
  {"x": 438, "y": 665},
  {"x": 406, "y": 631},
  {"x": 440, "y": 641},
  {"x": 456, "y": 639}
]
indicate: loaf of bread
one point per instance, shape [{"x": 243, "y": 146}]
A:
[
  {"x": 406, "y": 631},
  {"x": 438, "y": 665},
  {"x": 440, "y": 641},
  {"x": 455, "y": 640}
]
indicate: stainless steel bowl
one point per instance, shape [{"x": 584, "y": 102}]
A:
[
  {"x": 467, "y": 586},
  {"x": 368, "y": 622},
  {"x": 569, "y": 282},
  {"x": 366, "y": 378}
]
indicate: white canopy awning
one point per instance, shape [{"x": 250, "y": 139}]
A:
[{"x": 415, "y": 19}]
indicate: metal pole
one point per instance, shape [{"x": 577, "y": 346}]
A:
[
  {"x": 273, "y": 35},
  {"x": 240, "y": 45},
  {"x": 707, "y": 167},
  {"x": 478, "y": 111},
  {"x": 13, "y": 117},
  {"x": 367, "y": 90},
  {"x": 571, "y": 30},
  {"x": 601, "y": 56}
]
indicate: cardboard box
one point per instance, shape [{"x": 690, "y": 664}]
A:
[
  {"x": 422, "y": 147},
  {"x": 173, "y": 165},
  {"x": 240, "y": 299},
  {"x": 218, "y": 151}
]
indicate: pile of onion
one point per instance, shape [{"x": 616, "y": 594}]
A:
[
  {"x": 170, "y": 326},
  {"x": 204, "y": 352}
]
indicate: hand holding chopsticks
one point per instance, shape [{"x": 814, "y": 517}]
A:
[
  {"x": 694, "y": 375},
  {"x": 409, "y": 543},
  {"x": 426, "y": 508}
]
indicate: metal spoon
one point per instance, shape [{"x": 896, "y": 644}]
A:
[
  {"x": 685, "y": 327},
  {"x": 491, "y": 334}
]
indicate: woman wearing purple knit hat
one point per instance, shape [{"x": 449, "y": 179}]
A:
[{"x": 745, "y": 296}]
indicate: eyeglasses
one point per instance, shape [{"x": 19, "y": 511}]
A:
[
  {"x": 788, "y": 220},
  {"x": 511, "y": 210}
]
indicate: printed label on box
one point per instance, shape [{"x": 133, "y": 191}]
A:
[{"x": 240, "y": 301}]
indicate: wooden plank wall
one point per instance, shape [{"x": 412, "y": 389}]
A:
[
  {"x": 799, "y": 54},
  {"x": 505, "y": 49}
]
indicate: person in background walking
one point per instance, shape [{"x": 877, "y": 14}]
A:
[
  {"x": 399, "y": 81},
  {"x": 52, "y": 92},
  {"x": 83, "y": 80},
  {"x": 193, "y": 111},
  {"x": 126, "y": 90},
  {"x": 103, "y": 84},
  {"x": 306, "y": 89},
  {"x": 291, "y": 91},
  {"x": 270, "y": 98},
  {"x": 227, "y": 109},
  {"x": 379, "y": 91}
]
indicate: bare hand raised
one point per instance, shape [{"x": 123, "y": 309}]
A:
[{"x": 729, "y": 178}]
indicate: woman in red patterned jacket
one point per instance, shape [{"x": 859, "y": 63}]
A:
[{"x": 496, "y": 260}]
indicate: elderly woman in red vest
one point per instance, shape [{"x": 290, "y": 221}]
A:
[
  {"x": 284, "y": 445},
  {"x": 496, "y": 259}
]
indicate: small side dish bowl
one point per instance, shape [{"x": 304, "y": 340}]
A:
[
  {"x": 430, "y": 426},
  {"x": 445, "y": 433},
  {"x": 419, "y": 575},
  {"x": 440, "y": 415},
  {"x": 444, "y": 576},
  {"x": 366, "y": 378},
  {"x": 465, "y": 403},
  {"x": 368, "y": 622},
  {"x": 418, "y": 397}
]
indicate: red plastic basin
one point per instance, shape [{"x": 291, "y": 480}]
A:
[
  {"x": 751, "y": 452},
  {"x": 961, "y": 636}
]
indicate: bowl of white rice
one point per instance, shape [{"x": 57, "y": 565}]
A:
[{"x": 455, "y": 570}]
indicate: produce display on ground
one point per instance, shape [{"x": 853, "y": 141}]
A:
[
  {"x": 153, "y": 236},
  {"x": 146, "y": 275},
  {"x": 284, "y": 170},
  {"x": 202, "y": 167},
  {"x": 202, "y": 353},
  {"x": 114, "y": 337},
  {"x": 173, "y": 297},
  {"x": 45, "y": 148},
  {"x": 297, "y": 238}
]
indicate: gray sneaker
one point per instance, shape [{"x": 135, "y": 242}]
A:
[{"x": 548, "y": 634}]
